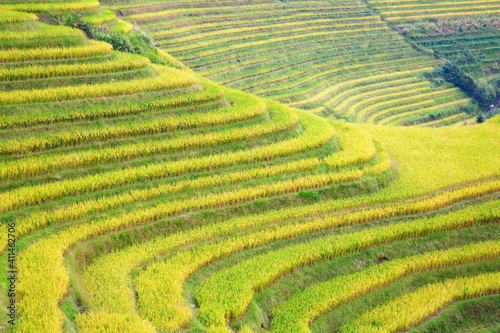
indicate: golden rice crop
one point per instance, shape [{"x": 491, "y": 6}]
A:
[
  {"x": 101, "y": 282},
  {"x": 220, "y": 299},
  {"x": 435, "y": 107},
  {"x": 296, "y": 314},
  {"x": 210, "y": 92},
  {"x": 168, "y": 78},
  {"x": 323, "y": 94},
  {"x": 39, "y": 193},
  {"x": 9, "y": 16},
  {"x": 94, "y": 48},
  {"x": 47, "y": 31},
  {"x": 126, "y": 61},
  {"x": 243, "y": 107},
  {"x": 409, "y": 309},
  {"x": 46, "y": 7},
  {"x": 51, "y": 278}
]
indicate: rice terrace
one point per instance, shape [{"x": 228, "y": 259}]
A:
[{"x": 249, "y": 166}]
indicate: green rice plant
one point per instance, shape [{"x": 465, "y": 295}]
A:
[
  {"x": 410, "y": 309},
  {"x": 334, "y": 88},
  {"x": 264, "y": 23},
  {"x": 346, "y": 97},
  {"x": 240, "y": 46},
  {"x": 94, "y": 48},
  {"x": 211, "y": 92},
  {"x": 307, "y": 84},
  {"x": 226, "y": 294},
  {"x": 244, "y": 107},
  {"x": 39, "y": 193},
  {"x": 322, "y": 62},
  {"x": 45, "y": 31},
  {"x": 102, "y": 282},
  {"x": 270, "y": 30},
  {"x": 168, "y": 78},
  {"x": 36, "y": 286},
  {"x": 436, "y": 107},
  {"x": 314, "y": 136},
  {"x": 372, "y": 118},
  {"x": 447, "y": 120},
  {"x": 297, "y": 313},
  {"x": 294, "y": 79},
  {"x": 243, "y": 11},
  {"x": 423, "y": 90},
  {"x": 101, "y": 18},
  {"x": 361, "y": 114},
  {"x": 304, "y": 50},
  {"x": 9, "y": 16},
  {"x": 126, "y": 61},
  {"x": 41, "y": 35},
  {"x": 286, "y": 34},
  {"x": 168, "y": 124},
  {"x": 416, "y": 11},
  {"x": 372, "y": 95},
  {"x": 442, "y": 15},
  {"x": 47, "y": 7},
  {"x": 356, "y": 146},
  {"x": 122, "y": 26}
]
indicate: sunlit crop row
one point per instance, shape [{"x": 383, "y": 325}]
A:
[
  {"x": 356, "y": 146},
  {"x": 296, "y": 314},
  {"x": 227, "y": 11},
  {"x": 416, "y": 10},
  {"x": 40, "y": 193},
  {"x": 272, "y": 30},
  {"x": 447, "y": 120},
  {"x": 243, "y": 107},
  {"x": 168, "y": 78},
  {"x": 226, "y": 294},
  {"x": 431, "y": 108},
  {"x": 300, "y": 77},
  {"x": 362, "y": 113},
  {"x": 346, "y": 97},
  {"x": 375, "y": 116},
  {"x": 206, "y": 48},
  {"x": 311, "y": 84},
  {"x": 351, "y": 83},
  {"x": 315, "y": 135},
  {"x": 105, "y": 16},
  {"x": 289, "y": 69},
  {"x": 126, "y": 61},
  {"x": 57, "y": 6},
  {"x": 210, "y": 92},
  {"x": 9, "y": 16},
  {"x": 94, "y": 48},
  {"x": 215, "y": 67},
  {"x": 112, "y": 293},
  {"x": 47, "y": 283},
  {"x": 449, "y": 14},
  {"x": 370, "y": 96},
  {"x": 248, "y": 44},
  {"x": 263, "y": 24},
  {"x": 46, "y": 31},
  {"x": 405, "y": 311},
  {"x": 412, "y": 93}
]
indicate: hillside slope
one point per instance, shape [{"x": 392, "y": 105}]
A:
[
  {"x": 341, "y": 59},
  {"x": 139, "y": 196}
]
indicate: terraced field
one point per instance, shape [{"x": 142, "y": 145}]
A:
[
  {"x": 311, "y": 55},
  {"x": 412, "y": 10},
  {"x": 137, "y": 195},
  {"x": 466, "y": 32}
]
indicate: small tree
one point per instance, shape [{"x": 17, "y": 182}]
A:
[{"x": 485, "y": 93}]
